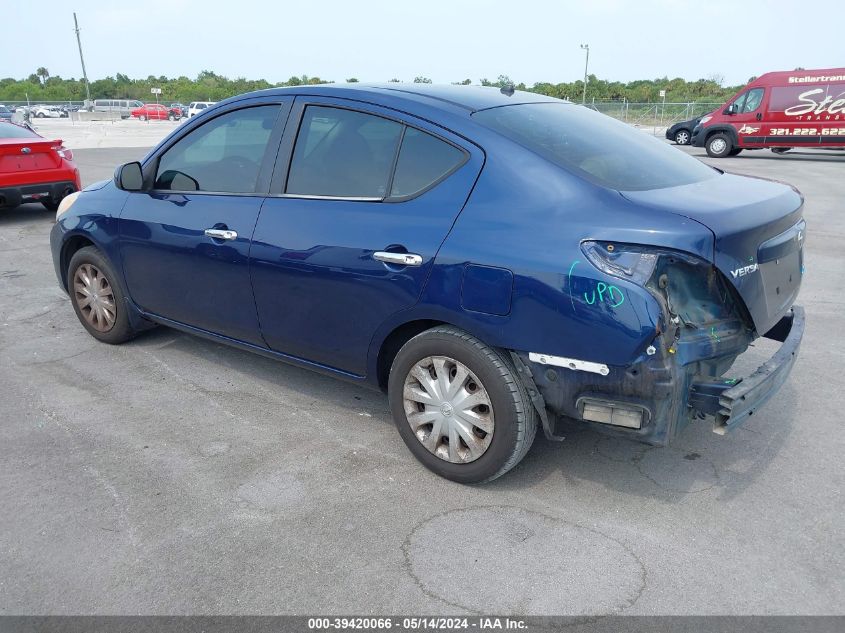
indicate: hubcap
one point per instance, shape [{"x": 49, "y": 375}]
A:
[
  {"x": 93, "y": 294},
  {"x": 718, "y": 146},
  {"x": 682, "y": 138},
  {"x": 449, "y": 410}
]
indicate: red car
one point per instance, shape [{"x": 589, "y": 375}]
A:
[
  {"x": 157, "y": 111},
  {"x": 34, "y": 169}
]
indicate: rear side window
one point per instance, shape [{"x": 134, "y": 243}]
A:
[
  {"x": 343, "y": 153},
  {"x": 223, "y": 155},
  {"x": 595, "y": 146},
  {"x": 423, "y": 160}
]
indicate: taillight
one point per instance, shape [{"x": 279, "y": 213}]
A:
[{"x": 64, "y": 152}]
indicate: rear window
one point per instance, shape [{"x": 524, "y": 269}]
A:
[
  {"x": 595, "y": 146},
  {"x": 10, "y": 130}
]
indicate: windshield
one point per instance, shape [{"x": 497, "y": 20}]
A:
[
  {"x": 10, "y": 130},
  {"x": 595, "y": 146}
]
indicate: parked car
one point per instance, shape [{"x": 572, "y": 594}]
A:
[
  {"x": 495, "y": 260},
  {"x": 45, "y": 111},
  {"x": 796, "y": 108},
  {"x": 34, "y": 169},
  {"x": 117, "y": 107},
  {"x": 5, "y": 113},
  {"x": 195, "y": 107},
  {"x": 681, "y": 132},
  {"x": 156, "y": 112}
]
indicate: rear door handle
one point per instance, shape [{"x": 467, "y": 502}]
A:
[
  {"x": 399, "y": 259},
  {"x": 221, "y": 234}
]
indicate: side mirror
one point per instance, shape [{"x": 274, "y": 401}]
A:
[
  {"x": 731, "y": 109},
  {"x": 129, "y": 177}
]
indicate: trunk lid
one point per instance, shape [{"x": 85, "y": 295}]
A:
[
  {"x": 24, "y": 154},
  {"x": 758, "y": 236}
]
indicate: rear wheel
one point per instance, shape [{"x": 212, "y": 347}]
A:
[
  {"x": 50, "y": 205},
  {"x": 735, "y": 151},
  {"x": 459, "y": 406},
  {"x": 97, "y": 297},
  {"x": 719, "y": 145},
  {"x": 171, "y": 117},
  {"x": 682, "y": 137},
  {"x": 142, "y": 118},
  {"x": 780, "y": 150}
]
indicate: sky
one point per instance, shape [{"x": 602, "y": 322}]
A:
[{"x": 451, "y": 40}]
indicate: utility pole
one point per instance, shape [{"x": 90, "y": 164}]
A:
[
  {"x": 81, "y": 59},
  {"x": 585, "y": 47}
]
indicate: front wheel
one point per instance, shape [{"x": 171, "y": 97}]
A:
[
  {"x": 170, "y": 117},
  {"x": 719, "y": 145},
  {"x": 682, "y": 137},
  {"x": 142, "y": 118},
  {"x": 97, "y": 297},
  {"x": 459, "y": 406}
]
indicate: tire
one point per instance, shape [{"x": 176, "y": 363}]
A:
[
  {"x": 142, "y": 118},
  {"x": 719, "y": 145},
  {"x": 85, "y": 261},
  {"x": 50, "y": 205},
  {"x": 780, "y": 150},
  {"x": 170, "y": 117},
  {"x": 491, "y": 378},
  {"x": 682, "y": 137},
  {"x": 40, "y": 115},
  {"x": 735, "y": 151}
]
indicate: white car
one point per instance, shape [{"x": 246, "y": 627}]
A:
[
  {"x": 45, "y": 111},
  {"x": 195, "y": 107}
]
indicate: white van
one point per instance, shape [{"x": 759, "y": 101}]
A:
[
  {"x": 195, "y": 107},
  {"x": 121, "y": 107}
]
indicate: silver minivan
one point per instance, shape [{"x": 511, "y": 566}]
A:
[{"x": 121, "y": 107}]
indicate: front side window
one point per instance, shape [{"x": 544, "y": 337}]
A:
[
  {"x": 343, "y": 153},
  {"x": 595, "y": 146},
  {"x": 752, "y": 100},
  {"x": 224, "y": 155}
]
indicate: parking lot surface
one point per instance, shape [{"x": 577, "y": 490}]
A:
[{"x": 172, "y": 475}]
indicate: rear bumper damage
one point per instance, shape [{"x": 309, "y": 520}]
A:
[
  {"x": 730, "y": 402},
  {"x": 671, "y": 384}
]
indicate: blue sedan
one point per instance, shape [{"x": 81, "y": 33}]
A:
[{"x": 497, "y": 261}]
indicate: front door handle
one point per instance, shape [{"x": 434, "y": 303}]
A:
[
  {"x": 759, "y": 116},
  {"x": 221, "y": 234},
  {"x": 398, "y": 259}
]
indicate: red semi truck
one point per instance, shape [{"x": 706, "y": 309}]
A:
[{"x": 780, "y": 110}]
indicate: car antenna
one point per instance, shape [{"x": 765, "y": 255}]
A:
[{"x": 507, "y": 89}]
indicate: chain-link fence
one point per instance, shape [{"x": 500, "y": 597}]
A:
[{"x": 653, "y": 114}]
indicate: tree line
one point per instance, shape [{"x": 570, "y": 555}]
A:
[{"x": 209, "y": 86}]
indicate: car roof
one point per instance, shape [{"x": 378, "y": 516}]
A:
[{"x": 467, "y": 98}]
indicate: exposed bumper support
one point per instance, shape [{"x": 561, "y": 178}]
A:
[{"x": 733, "y": 401}]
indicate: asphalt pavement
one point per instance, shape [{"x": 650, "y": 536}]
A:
[{"x": 173, "y": 475}]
